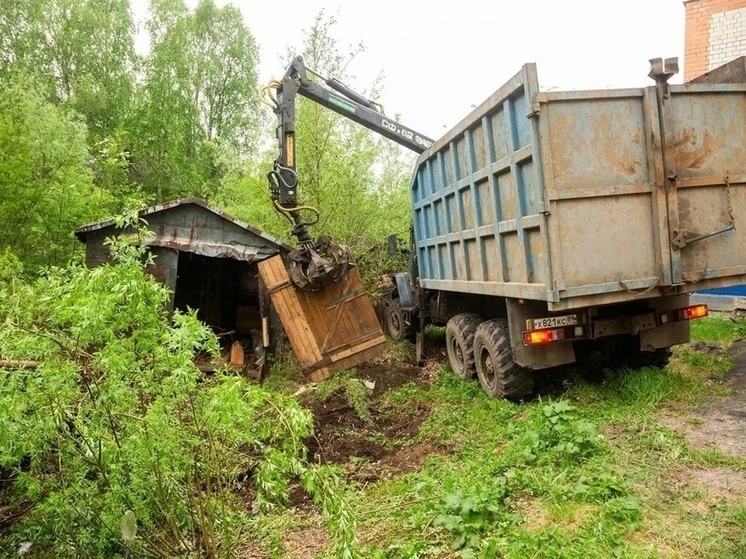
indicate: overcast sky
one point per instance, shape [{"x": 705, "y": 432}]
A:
[{"x": 438, "y": 59}]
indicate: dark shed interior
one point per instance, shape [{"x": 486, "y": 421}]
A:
[{"x": 225, "y": 292}]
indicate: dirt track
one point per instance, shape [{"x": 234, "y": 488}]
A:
[
  {"x": 721, "y": 422},
  {"x": 343, "y": 438}
]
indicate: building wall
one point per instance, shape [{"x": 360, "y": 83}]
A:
[{"x": 715, "y": 34}]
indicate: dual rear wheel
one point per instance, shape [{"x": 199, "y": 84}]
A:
[
  {"x": 460, "y": 332},
  {"x": 480, "y": 347}
]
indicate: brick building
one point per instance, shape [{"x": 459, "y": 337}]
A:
[{"x": 715, "y": 34}]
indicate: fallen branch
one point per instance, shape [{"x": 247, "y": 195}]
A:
[{"x": 18, "y": 364}]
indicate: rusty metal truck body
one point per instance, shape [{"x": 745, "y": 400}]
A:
[{"x": 562, "y": 218}]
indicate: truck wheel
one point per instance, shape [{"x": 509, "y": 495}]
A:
[
  {"x": 498, "y": 374},
  {"x": 460, "y": 343},
  {"x": 397, "y": 326}
]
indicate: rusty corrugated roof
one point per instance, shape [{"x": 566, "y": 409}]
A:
[{"x": 205, "y": 247}]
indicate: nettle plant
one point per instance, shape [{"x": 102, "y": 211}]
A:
[{"x": 113, "y": 443}]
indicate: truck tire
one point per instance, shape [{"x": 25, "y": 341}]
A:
[
  {"x": 498, "y": 374},
  {"x": 460, "y": 343},
  {"x": 397, "y": 326}
]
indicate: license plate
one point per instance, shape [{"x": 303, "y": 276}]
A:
[{"x": 553, "y": 322}]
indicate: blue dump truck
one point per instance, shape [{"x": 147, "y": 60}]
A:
[
  {"x": 551, "y": 225},
  {"x": 548, "y": 226}
]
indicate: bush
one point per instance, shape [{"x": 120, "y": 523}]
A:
[{"x": 116, "y": 444}]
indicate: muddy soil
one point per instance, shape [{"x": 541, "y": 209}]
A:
[
  {"x": 721, "y": 422},
  {"x": 383, "y": 447}
]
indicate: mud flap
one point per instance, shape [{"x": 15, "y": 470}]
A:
[{"x": 537, "y": 357}]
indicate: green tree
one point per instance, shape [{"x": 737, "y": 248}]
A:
[
  {"x": 83, "y": 50},
  {"x": 46, "y": 184},
  {"x": 94, "y": 49},
  {"x": 20, "y": 33},
  {"x": 355, "y": 177},
  {"x": 197, "y": 106},
  {"x": 81, "y": 54},
  {"x": 224, "y": 78}
]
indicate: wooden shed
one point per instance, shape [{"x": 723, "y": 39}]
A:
[{"x": 209, "y": 260}]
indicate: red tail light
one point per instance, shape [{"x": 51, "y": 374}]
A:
[
  {"x": 687, "y": 313},
  {"x": 697, "y": 311},
  {"x": 543, "y": 336}
]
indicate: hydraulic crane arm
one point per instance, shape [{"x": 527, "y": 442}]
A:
[
  {"x": 349, "y": 104},
  {"x": 316, "y": 264}
]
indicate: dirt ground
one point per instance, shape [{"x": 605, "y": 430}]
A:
[
  {"x": 721, "y": 422},
  {"x": 376, "y": 450}
]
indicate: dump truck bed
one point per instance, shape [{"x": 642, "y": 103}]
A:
[{"x": 584, "y": 198}]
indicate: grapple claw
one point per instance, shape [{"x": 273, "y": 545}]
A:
[{"x": 315, "y": 266}]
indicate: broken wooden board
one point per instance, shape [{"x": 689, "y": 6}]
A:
[
  {"x": 329, "y": 330},
  {"x": 234, "y": 358}
]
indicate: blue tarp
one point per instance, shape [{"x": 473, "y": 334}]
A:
[{"x": 734, "y": 291}]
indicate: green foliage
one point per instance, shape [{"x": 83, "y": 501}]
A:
[
  {"x": 470, "y": 513},
  {"x": 117, "y": 445},
  {"x": 376, "y": 264},
  {"x": 416, "y": 550},
  {"x": 11, "y": 268},
  {"x": 112, "y": 173},
  {"x": 563, "y": 434},
  {"x": 717, "y": 329},
  {"x": 202, "y": 70},
  {"x": 82, "y": 50},
  {"x": 716, "y": 363},
  {"x": 353, "y": 390},
  {"x": 244, "y": 194},
  {"x": 46, "y": 186}
]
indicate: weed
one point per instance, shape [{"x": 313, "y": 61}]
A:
[
  {"x": 358, "y": 396},
  {"x": 470, "y": 513},
  {"x": 555, "y": 434},
  {"x": 284, "y": 372},
  {"x": 118, "y": 428},
  {"x": 355, "y": 393},
  {"x": 397, "y": 351}
]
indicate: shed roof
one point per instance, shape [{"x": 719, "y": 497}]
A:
[{"x": 188, "y": 241}]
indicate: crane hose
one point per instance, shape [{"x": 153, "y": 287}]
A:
[
  {"x": 266, "y": 94},
  {"x": 290, "y": 212}
]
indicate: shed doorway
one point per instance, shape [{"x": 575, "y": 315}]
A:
[{"x": 225, "y": 293}]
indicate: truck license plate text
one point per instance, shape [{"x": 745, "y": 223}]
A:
[{"x": 554, "y": 321}]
